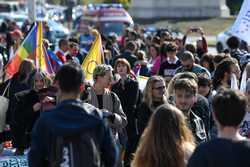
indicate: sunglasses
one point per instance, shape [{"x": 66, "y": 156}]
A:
[{"x": 160, "y": 88}]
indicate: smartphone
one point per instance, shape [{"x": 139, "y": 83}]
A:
[{"x": 194, "y": 29}]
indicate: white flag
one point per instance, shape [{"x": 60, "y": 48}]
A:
[{"x": 241, "y": 27}]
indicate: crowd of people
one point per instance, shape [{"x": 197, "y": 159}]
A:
[{"x": 193, "y": 111}]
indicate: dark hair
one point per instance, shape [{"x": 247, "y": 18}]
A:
[
  {"x": 220, "y": 71},
  {"x": 25, "y": 68},
  {"x": 191, "y": 48},
  {"x": 70, "y": 77},
  {"x": 171, "y": 47},
  {"x": 131, "y": 46},
  {"x": 156, "y": 40},
  {"x": 188, "y": 85},
  {"x": 208, "y": 58},
  {"x": 73, "y": 39},
  {"x": 156, "y": 47},
  {"x": 62, "y": 42},
  {"x": 229, "y": 107},
  {"x": 204, "y": 81},
  {"x": 187, "y": 55},
  {"x": 233, "y": 42}
]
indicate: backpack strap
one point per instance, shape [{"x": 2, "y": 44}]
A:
[{"x": 6, "y": 89}]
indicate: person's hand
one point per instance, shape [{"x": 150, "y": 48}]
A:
[
  {"x": 48, "y": 99},
  {"x": 95, "y": 32},
  {"x": 201, "y": 31},
  {"x": 37, "y": 107}
]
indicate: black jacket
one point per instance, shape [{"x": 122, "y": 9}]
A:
[
  {"x": 143, "y": 115},
  {"x": 25, "y": 118},
  {"x": 197, "y": 127},
  {"x": 129, "y": 95},
  {"x": 69, "y": 118}
]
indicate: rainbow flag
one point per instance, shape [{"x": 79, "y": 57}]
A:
[
  {"x": 42, "y": 59},
  {"x": 94, "y": 56},
  {"x": 31, "y": 48}
]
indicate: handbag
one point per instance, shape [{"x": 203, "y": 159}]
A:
[{"x": 4, "y": 104}]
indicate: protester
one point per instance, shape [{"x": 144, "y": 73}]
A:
[
  {"x": 101, "y": 97},
  {"x": 223, "y": 74},
  {"x": 73, "y": 130},
  {"x": 141, "y": 66},
  {"x": 234, "y": 46},
  {"x": 188, "y": 64},
  {"x": 167, "y": 140},
  {"x": 125, "y": 88},
  {"x": 128, "y": 53},
  {"x": 201, "y": 45},
  {"x": 154, "y": 58},
  {"x": 230, "y": 148},
  {"x": 154, "y": 95},
  {"x": 185, "y": 95},
  {"x": 63, "y": 48},
  {"x": 169, "y": 66},
  {"x": 207, "y": 62},
  {"x": 201, "y": 105},
  {"x": 29, "y": 105},
  {"x": 74, "y": 55}
]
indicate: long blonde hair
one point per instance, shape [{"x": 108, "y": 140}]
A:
[
  {"x": 165, "y": 140},
  {"x": 147, "y": 93}
]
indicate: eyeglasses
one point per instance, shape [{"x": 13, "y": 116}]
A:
[{"x": 160, "y": 88}]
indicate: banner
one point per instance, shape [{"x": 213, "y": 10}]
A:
[
  {"x": 14, "y": 161},
  {"x": 241, "y": 27}
]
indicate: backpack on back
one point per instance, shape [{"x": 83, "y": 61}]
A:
[
  {"x": 74, "y": 151},
  {"x": 80, "y": 149}
]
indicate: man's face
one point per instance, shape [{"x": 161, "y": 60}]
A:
[
  {"x": 187, "y": 64},
  {"x": 184, "y": 100},
  {"x": 106, "y": 79},
  {"x": 171, "y": 54},
  {"x": 74, "y": 50},
  {"x": 65, "y": 47}
]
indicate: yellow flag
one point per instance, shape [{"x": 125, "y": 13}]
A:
[
  {"x": 94, "y": 56},
  {"x": 39, "y": 48}
]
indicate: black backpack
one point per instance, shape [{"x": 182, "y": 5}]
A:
[
  {"x": 74, "y": 151},
  {"x": 78, "y": 150}
]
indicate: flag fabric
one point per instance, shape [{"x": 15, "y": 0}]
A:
[
  {"x": 56, "y": 63},
  {"x": 241, "y": 27},
  {"x": 25, "y": 50},
  {"x": 31, "y": 48},
  {"x": 42, "y": 58},
  {"x": 94, "y": 56}
]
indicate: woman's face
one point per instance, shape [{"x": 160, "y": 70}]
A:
[
  {"x": 158, "y": 90},
  {"x": 122, "y": 69},
  {"x": 39, "y": 83},
  {"x": 153, "y": 52}
]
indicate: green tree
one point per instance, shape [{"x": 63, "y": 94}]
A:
[{"x": 234, "y": 6}]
